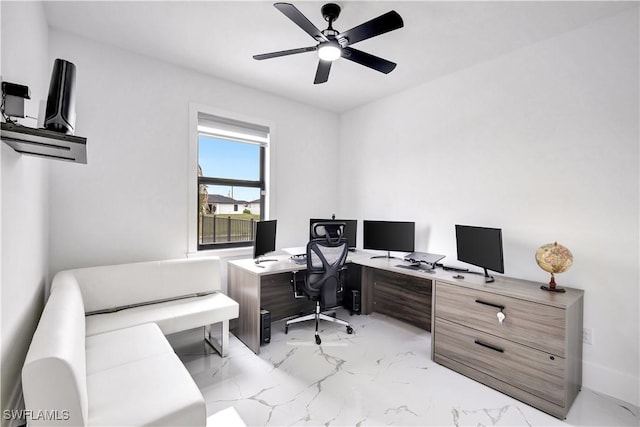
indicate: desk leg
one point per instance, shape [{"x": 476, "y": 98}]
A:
[
  {"x": 244, "y": 288},
  {"x": 366, "y": 290}
]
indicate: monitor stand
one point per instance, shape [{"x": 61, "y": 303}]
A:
[
  {"x": 388, "y": 256},
  {"x": 487, "y": 277},
  {"x": 259, "y": 260}
]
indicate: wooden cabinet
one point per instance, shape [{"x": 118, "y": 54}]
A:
[
  {"x": 534, "y": 354},
  {"x": 397, "y": 295}
]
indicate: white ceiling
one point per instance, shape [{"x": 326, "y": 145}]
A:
[{"x": 219, "y": 38}]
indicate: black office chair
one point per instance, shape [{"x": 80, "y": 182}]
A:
[{"x": 323, "y": 282}]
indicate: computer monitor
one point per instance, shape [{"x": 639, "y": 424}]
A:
[
  {"x": 389, "y": 236},
  {"x": 350, "y": 229},
  {"x": 264, "y": 240},
  {"x": 480, "y": 246}
]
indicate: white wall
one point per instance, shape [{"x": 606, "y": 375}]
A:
[
  {"x": 24, "y": 198},
  {"x": 129, "y": 203},
  {"x": 542, "y": 142}
]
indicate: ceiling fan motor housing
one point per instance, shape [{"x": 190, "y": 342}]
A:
[{"x": 330, "y": 12}]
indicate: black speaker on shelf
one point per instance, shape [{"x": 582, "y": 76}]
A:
[
  {"x": 60, "y": 114},
  {"x": 265, "y": 326}
]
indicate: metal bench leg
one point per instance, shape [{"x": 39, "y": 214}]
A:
[{"x": 217, "y": 335}]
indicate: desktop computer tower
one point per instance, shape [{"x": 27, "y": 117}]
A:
[
  {"x": 354, "y": 302},
  {"x": 60, "y": 114},
  {"x": 265, "y": 326}
]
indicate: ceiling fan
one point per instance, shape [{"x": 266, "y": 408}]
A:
[{"x": 333, "y": 44}]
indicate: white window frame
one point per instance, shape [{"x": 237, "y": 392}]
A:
[{"x": 192, "y": 176}]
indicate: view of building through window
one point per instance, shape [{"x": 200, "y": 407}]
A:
[{"x": 231, "y": 188}]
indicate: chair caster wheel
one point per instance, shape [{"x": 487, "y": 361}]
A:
[
  {"x": 349, "y": 330},
  {"x": 318, "y": 340}
]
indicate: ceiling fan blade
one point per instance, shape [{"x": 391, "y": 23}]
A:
[
  {"x": 284, "y": 52},
  {"x": 322, "y": 73},
  {"x": 382, "y": 24},
  {"x": 368, "y": 60},
  {"x": 291, "y": 12}
]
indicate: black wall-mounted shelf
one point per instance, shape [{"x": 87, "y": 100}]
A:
[{"x": 45, "y": 143}]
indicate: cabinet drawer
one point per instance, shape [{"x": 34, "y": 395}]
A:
[
  {"x": 528, "y": 369},
  {"x": 533, "y": 324}
]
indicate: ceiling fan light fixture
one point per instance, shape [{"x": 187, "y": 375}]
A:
[{"x": 329, "y": 51}]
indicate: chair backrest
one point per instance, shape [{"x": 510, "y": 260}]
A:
[
  {"x": 326, "y": 255},
  {"x": 332, "y": 230}
]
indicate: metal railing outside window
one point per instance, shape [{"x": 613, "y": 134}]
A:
[{"x": 224, "y": 229}]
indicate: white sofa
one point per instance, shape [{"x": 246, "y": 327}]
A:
[
  {"x": 99, "y": 355},
  {"x": 176, "y": 294}
]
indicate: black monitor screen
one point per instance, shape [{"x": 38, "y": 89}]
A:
[
  {"x": 265, "y": 238},
  {"x": 480, "y": 246},
  {"x": 350, "y": 228},
  {"x": 389, "y": 235}
]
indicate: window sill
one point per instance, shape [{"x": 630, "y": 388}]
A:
[{"x": 244, "y": 252}]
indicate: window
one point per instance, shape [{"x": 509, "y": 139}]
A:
[{"x": 231, "y": 181}]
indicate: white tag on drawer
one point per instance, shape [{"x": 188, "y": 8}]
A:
[{"x": 501, "y": 317}]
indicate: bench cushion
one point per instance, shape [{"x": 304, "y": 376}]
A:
[
  {"x": 156, "y": 390},
  {"x": 171, "y": 316},
  {"x": 111, "y": 349}
]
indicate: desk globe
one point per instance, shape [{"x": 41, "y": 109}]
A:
[{"x": 553, "y": 258}]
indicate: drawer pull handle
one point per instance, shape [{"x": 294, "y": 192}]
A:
[
  {"x": 492, "y": 347},
  {"x": 490, "y": 304}
]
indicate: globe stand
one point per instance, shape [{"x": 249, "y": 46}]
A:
[{"x": 552, "y": 286}]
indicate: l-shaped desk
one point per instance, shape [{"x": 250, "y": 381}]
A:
[
  {"x": 509, "y": 334},
  {"x": 385, "y": 288}
]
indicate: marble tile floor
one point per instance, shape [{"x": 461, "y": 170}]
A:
[{"x": 382, "y": 374}]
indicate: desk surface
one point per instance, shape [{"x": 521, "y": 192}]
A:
[
  {"x": 509, "y": 286},
  {"x": 514, "y": 287},
  {"x": 284, "y": 263}
]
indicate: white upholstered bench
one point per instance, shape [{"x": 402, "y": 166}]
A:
[
  {"x": 176, "y": 294},
  {"x": 116, "y": 367}
]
